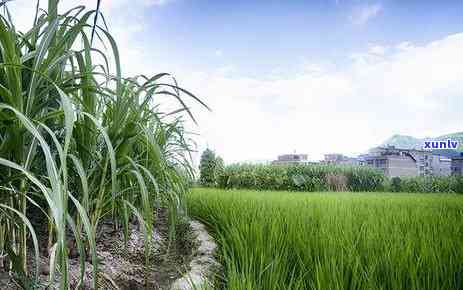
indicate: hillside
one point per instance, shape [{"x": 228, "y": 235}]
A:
[
  {"x": 410, "y": 142},
  {"x": 402, "y": 141}
]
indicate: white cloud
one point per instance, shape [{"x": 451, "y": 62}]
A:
[
  {"x": 377, "y": 49},
  {"x": 218, "y": 52},
  {"x": 404, "y": 46},
  {"x": 349, "y": 109},
  {"x": 364, "y": 13}
]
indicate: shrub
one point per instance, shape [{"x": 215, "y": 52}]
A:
[
  {"x": 430, "y": 184},
  {"x": 301, "y": 177},
  {"x": 395, "y": 184},
  {"x": 364, "y": 179},
  {"x": 317, "y": 177},
  {"x": 456, "y": 184}
]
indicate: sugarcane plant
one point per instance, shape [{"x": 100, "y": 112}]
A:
[{"x": 79, "y": 142}]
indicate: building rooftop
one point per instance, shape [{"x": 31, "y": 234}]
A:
[{"x": 292, "y": 158}]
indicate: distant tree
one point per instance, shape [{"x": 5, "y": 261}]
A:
[
  {"x": 396, "y": 184},
  {"x": 219, "y": 168},
  {"x": 207, "y": 167}
]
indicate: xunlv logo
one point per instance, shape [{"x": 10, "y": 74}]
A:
[{"x": 448, "y": 144}]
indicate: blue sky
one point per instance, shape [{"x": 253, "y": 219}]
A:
[
  {"x": 311, "y": 76},
  {"x": 259, "y": 36}
]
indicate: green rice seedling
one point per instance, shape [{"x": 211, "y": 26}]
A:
[{"x": 296, "y": 240}]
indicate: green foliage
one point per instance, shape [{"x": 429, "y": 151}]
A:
[
  {"x": 211, "y": 167},
  {"x": 80, "y": 142},
  {"x": 298, "y": 177},
  {"x": 428, "y": 184},
  {"x": 207, "y": 168},
  {"x": 219, "y": 168},
  {"x": 396, "y": 184},
  {"x": 289, "y": 240}
]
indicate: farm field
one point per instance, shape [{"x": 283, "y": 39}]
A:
[{"x": 289, "y": 240}]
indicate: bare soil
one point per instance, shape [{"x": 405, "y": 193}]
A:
[{"x": 122, "y": 265}]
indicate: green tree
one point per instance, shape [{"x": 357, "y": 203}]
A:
[
  {"x": 207, "y": 168},
  {"x": 219, "y": 168}
]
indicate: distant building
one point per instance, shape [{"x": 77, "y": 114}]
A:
[
  {"x": 393, "y": 165},
  {"x": 457, "y": 165},
  {"x": 399, "y": 162},
  {"x": 291, "y": 159},
  {"x": 339, "y": 159},
  {"x": 441, "y": 165}
]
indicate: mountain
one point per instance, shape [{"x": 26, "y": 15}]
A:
[
  {"x": 402, "y": 141},
  {"x": 410, "y": 142}
]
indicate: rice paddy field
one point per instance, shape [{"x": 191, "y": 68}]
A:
[{"x": 297, "y": 240}]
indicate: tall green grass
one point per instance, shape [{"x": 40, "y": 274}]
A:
[
  {"x": 301, "y": 177},
  {"x": 283, "y": 240},
  {"x": 79, "y": 142}
]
